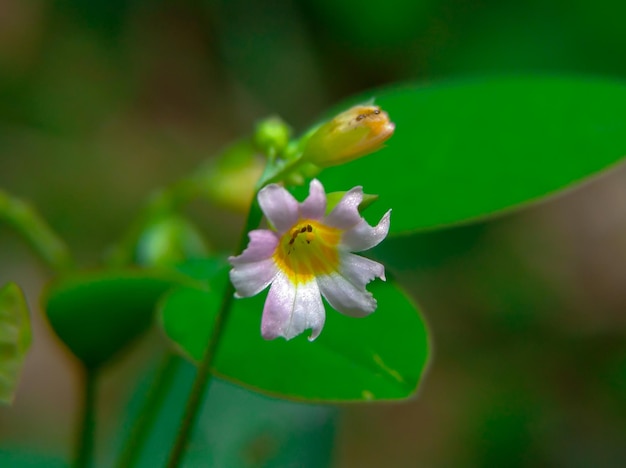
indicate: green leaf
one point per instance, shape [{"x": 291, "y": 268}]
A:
[
  {"x": 97, "y": 314},
  {"x": 379, "y": 357},
  {"x": 468, "y": 149},
  {"x": 297, "y": 431},
  {"x": 15, "y": 338}
]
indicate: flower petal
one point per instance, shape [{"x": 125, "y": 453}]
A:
[
  {"x": 363, "y": 236},
  {"x": 345, "y": 297},
  {"x": 250, "y": 279},
  {"x": 279, "y": 206},
  {"x": 262, "y": 245},
  {"x": 290, "y": 309},
  {"x": 314, "y": 206},
  {"x": 346, "y": 214},
  {"x": 360, "y": 270}
]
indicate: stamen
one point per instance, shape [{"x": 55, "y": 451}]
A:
[{"x": 317, "y": 252}]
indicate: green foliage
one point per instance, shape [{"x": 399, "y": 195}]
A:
[
  {"x": 260, "y": 431},
  {"x": 468, "y": 149},
  {"x": 97, "y": 314},
  {"x": 462, "y": 151},
  {"x": 104, "y": 99},
  {"x": 168, "y": 241},
  {"x": 380, "y": 357},
  {"x": 15, "y": 338}
]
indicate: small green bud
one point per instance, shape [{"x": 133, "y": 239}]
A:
[
  {"x": 272, "y": 136},
  {"x": 354, "y": 133},
  {"x": 230, "y": 180},
  {"x": 169, "y": 241}
]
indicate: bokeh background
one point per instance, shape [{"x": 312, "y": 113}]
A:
[{"x": 102, "y": 102}]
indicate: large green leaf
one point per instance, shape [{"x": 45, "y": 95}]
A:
[
  {"x": 99, "y": 313},
  {"x": 15, "y": 338},
  {"x": 467, "y": 149},
  {"x": 380, "y": 357}
]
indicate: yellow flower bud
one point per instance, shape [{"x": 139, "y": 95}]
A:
[{"x": 354, "y": 133}]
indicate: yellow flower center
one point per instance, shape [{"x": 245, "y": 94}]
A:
[{"x": 307, "y": 250}]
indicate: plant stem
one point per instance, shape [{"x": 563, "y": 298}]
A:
[
  {"x": 203, "y": 374},
  {"x": 156, "y": 394},
  {"x": 30, "y": 225},
  {"x": 85, "y": 436}
]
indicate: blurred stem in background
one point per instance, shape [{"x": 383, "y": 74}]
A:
[
  {"x": 86, "y": 428},
  {"x": 152, "y": 404},
  {"x": 32, "y": 227}
]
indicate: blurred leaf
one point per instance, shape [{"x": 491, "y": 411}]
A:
[
  {"x": 97, "y": 314},
  {"x": 202, "y": 269},
  {"x": 468, "y": 149},
  {"x": 366, "y": 27},
  {"x": 169, "y": 240},
  {"x": 251, "y": 35},
  {"x": 380, "y": 357},
  {"x": 513, "y": 37},
  {"x": 29, "y": 457},
  {"x": 247, "y": 430},
  {"x": 230, "y": 180},
  {"x": 15, "y": 338},
  {"x": 236, "y": 428}
]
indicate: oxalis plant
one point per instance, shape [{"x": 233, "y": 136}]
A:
[{"x": 333, "y": 226}]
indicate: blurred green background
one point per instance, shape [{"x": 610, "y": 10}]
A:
[{"x": 101, "y": 102}]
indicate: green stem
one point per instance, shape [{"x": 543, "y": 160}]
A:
[
  {"x": 149, "y": 411},
  {"x": 203, "y": 374},
  {"x": 85, "y": 436},
  {"x": 30, "y": 225},
  {"x": 275, "y": 173}
]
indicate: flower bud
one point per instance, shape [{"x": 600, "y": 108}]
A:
[
  {"x": 354, "y": 133},
  {"x": 168, "y": 241},
  {"x": 230, "y": 180},
  {"x": 272, "y": 135}
]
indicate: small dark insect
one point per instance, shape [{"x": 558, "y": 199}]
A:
[{"x": 360, "y": 117}]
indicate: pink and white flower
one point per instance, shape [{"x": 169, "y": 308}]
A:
[{"x": 306, "y": 256}]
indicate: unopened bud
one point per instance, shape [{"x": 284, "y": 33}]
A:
[
  {"x": 230, "y": 180},
  {"x": 169, "y": 241},
  {"x": 272, "y": 135},
  {"x": 354, "y": 133}
]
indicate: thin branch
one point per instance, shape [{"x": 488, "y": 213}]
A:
[{"x": 31, "y": 226}]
